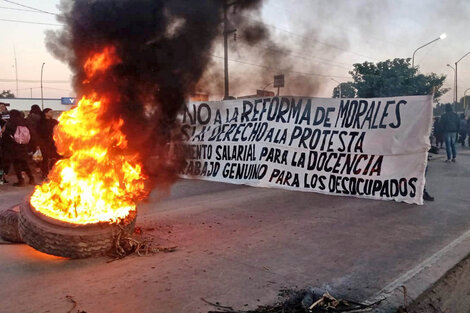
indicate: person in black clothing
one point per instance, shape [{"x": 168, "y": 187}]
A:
[
  {"x": 5, "y": 144},
  {"x": 462, "y": 130},
  {"x": 34, "y": 116},
  {"x": 450, "y": 126},
  {"x": 34, "y": 119},
  {"x": 19, "y": 151},
  {"x": 437, "y": 132},
  {"x": 46, "y": 141},
  {"x": 5, "y": 115},
  {"x": 468, "y": 131}
]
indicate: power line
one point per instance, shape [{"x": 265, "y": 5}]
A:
[
  {"x": 45, "y": 87},
  {"x": 319, "y": 41},
  {"x": 278, "y": 70},
  {"x": 28, "y": 22},
  {"x": 26, "y": 6},
  {"x": 18, "y": 9},
  {"x": 283, "y": 9},
  {"x": 300, "y": 56},
  {"x": 7, "y": 80}
]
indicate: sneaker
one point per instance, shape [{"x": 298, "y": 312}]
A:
[
  {"x": 447, "y": 161},
  {"x": 453, "y": 160},
  {"x": 427, "y": 196}
]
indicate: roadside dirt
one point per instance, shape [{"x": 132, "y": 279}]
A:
[{"x": 449, "y": 294}]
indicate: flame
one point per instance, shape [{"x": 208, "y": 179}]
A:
[
  {"x": 101, "y": 61},
  {"x": 97, "y": 180}
]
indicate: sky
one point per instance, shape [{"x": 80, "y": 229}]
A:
[{"x": 322, "y": 39}]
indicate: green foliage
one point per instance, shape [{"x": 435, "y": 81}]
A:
[
  {"x": 6, "y": 94},
  {"x": 394, "y": 78},
  {"x": 347, "y": 90}
]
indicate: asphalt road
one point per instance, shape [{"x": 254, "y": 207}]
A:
[{"x": 240, "y": 245}]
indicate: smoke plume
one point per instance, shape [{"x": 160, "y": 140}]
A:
[{"x": 164, "y": 47}]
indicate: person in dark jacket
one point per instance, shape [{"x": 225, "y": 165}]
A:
[
  {"x": 450, "y": 127},
  {"x": 437, "y": 132},
  {"x": 46, "y": 142},
  {"x": 34, "y": 116},
  {"x": 34, "y": 119},
  {"x": 19, "y": 151},
  {"x": 5, "y": 144},
  {"x": 4, "y": 114},
  {"x": 468, "y": 131},
  {"x": 462, "y": 130}
]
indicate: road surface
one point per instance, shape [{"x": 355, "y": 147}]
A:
[{"x": 240, "y": 246}]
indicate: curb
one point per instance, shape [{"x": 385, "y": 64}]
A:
[{"x": 423, "y": 276}]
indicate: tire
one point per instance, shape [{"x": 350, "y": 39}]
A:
[
  {"x": 69, "y": 240},
  {"x": 9, "y": 224}
]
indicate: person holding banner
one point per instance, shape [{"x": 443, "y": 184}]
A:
[{"x": 450, "y": 126}]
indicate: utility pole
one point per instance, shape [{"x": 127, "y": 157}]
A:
[
  {"x": 455, "y": 76},
  {"x": 226, "y": 33},
  {"x": 456, "y": 81},
  {"x": 42, "y": 96},
  {"x": 16, "y": 70}
]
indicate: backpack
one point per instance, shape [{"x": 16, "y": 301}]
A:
[{"x": 22, "y": 135}]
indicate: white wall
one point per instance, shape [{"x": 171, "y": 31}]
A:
[{"x": 24, "y": 104}]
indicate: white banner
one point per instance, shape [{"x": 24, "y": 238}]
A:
[{"x": 368, "y": 148}]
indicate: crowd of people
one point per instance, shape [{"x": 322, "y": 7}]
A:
[
  {"x": 450, "y": 129},
  {"x": 26, "y": 144}
]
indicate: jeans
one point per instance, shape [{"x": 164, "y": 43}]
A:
[{"x": 450, "y": 139}]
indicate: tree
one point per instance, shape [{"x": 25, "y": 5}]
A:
[
  {"x": 347, "y": 90},
  {"x": 6, "y": 94},
  {"x": 394, "y": 78}
]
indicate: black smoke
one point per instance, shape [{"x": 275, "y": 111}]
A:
[{"x": 164, "y": 47}]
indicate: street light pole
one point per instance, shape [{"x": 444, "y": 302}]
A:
[
  {"x": 42, "y": 96},
  {"x": 456, "y": 81},
  {"x": 16, "y": 71},
  {"x": 339, "y": 86},
  {"x": 443, "y": 36}
]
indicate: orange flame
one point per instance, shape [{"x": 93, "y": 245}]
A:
[
  {"x": 96, "y": 181},
  {"x": 101, "y": 61}
]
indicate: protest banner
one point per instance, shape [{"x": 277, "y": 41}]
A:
[{"x": 368, "y": 148}]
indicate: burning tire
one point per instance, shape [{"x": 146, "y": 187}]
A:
[
  {"x": 9, "y": 224},
  {"x": 70, "y": 240}
]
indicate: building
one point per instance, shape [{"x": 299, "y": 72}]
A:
[{"x": 24, "y": 104}]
